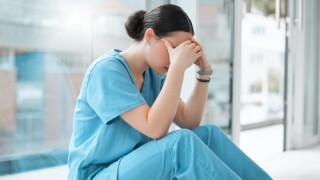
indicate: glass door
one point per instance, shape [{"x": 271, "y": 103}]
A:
[
  {"x": 263, "y": 52},
  {"x": 303, "y": 107}
]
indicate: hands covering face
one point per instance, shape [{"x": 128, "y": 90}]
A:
[{"x": 187, "y": 53}]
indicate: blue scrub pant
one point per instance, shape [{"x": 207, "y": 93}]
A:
[{"x": 201, "y": 154}]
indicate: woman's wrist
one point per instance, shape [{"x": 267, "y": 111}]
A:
[
  {"x": 203, "y": 76},
  {"x": 204, "y": 73},
  {"x": 176, "y": 69},
  {"x": 205, "y": 68},
  {"x": 203, "y": 80},
  {"x": 204, "y": 65}
]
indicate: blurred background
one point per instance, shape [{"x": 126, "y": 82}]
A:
[{"x": 264, "y": 92}]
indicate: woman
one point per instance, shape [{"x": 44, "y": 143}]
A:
[{"x": 129, "y": 99}]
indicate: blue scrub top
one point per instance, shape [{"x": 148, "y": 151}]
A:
[{"x": 100, "y": 137}]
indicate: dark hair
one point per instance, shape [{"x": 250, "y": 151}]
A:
[{"x": 163, "y": 20}]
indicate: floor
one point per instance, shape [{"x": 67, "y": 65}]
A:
[
  {"x": 296, "y": 165},
  {"x": 263, "y": 145}
]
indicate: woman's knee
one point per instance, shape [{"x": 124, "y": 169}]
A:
[
  {"x": 186, "y": 133},
  {"x": 176, "y": 138},
  {"x": 213, "y": 128}
]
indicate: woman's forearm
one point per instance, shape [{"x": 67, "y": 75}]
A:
[
  {"x": 162, "y": 112},
  {"x": 194, "y": 107}
]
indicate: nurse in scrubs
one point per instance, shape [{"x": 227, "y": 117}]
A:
[{"x": 129, "y": 99}]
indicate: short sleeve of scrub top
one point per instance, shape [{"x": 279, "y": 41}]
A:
[
  {"x": 111, "y": 90},
  {"x": 100, "y": 138}
]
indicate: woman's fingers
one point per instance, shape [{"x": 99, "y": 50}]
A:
[
  {"x": 187, "y": 42},
  {"x": 168, "y": 44},
  {"x": 197, "y": 48},
  {"x": 185, "y": 54},
  {"x": 195, "y": 41},
  {"x": 192, "y": 45},
  {"x": 198, "y": 54}
]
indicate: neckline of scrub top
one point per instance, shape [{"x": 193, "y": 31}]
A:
[{"x": 146, "y": 72}]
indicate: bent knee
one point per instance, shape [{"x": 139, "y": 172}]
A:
[
  {"x": 213, "y": 128},
  {"x": 175, "y": 137},
  {"x": 178, "y": 134},
  {"x": 186, "y": 134}
]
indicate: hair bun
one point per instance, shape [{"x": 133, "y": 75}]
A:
[{"x": 134, "y": 24}]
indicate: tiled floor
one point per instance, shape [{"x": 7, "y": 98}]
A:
[{"x": 263, "y": 145}]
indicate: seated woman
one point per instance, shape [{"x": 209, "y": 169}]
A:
[{"x": 129, "y": 99}]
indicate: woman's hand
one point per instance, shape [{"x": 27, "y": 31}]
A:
[
  {"x": 184, "y": 55},
  {"x": 201, "y": 62}
]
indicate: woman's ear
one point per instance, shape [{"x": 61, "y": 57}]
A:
[{"x": 148, "y": 35}]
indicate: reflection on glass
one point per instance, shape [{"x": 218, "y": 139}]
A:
[
  {"x": 215, "y": 30},
  {"x": 46, "y": 46},
  {"x": 262, "y": 66}
]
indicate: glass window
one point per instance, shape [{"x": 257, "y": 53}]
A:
[{"x": 46, "y": 46}]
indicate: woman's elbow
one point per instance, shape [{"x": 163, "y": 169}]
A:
[
  {"x": 157, "y": 134},
  {"x": 191, "y": 125}
]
